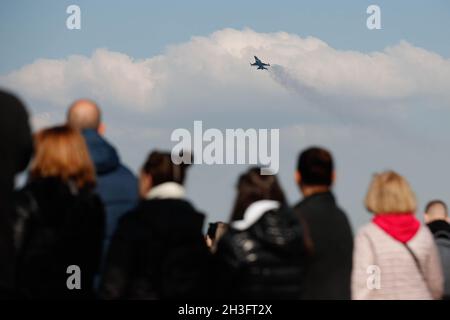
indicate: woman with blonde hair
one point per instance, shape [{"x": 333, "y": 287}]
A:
[
  {"x": 60, "y": 220},
  {"x": 394, "y": 256}
]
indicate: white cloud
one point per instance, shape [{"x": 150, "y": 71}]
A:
[
  {"x": 208, "y": 70},
  {"x": 108, "y": 76}
]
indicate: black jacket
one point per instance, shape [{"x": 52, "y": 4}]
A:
[
  {"x": 15, "y": 150},
  {"x": 441, "y": 233},
  {"x": 57, "y": 226},
  {"x": 329, "y": 240},
  {"x": 264, "y": 261},
  {"x": 157, "y": 252},
  {"x": 440, "y": 228}
]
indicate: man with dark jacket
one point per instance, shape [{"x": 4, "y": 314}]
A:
[
  {"x": 328, "y": 235},
  {"x": 15, "y": 151},
  {"x": 436, "y": 217},
  {"x": 116, "y": 184}
]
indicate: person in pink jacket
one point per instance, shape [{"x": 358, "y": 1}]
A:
[{"x": 394, "y": 256}]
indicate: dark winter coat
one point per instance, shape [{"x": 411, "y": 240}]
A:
[
  {"x": 15, "y": 150},
  {"x": 157, "y": 252},
  {"x": 116, "y": 185},
  {"x": 441, "y": 233},
  {"x": 57, "y": 226},
  {"x": 262, "y": 261},
  {"x": 329, "y": 240}
]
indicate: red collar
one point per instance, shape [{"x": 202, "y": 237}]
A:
[{"x": 400, "y": 226}]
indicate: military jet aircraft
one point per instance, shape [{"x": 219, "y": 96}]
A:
[{"x": 261, "y": 65}]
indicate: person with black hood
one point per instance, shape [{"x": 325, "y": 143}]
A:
[
  {"x": 158, "y": 250},
  {"x": 16, "y": 147},
  {"x": 116, "y": 184},
  {"x": 261, "y": 254}
]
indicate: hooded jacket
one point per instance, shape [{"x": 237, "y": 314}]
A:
[
  {"x": 116, "y": 185},
  {"x": 383, "y": 268},
  {"x": 261, "y": 256}
]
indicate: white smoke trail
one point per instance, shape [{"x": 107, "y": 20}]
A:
[
  {"x": 282, "y": 76},
  {"x": 338, "y": 106}
]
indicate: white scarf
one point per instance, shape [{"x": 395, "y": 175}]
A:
[
  {"x": 166, "y": 190},
  {"x": 254, "y": 212}
]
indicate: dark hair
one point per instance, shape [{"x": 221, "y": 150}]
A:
[
  {"x": 252, "y": 187},
  {"x": 434, "y": 202},
  {"x": 316, "y": 167},
  {"x": 212, "y": 228},
  {"x": 162, "y": 169}
]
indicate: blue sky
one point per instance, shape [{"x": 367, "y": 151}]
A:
[
  {"x": 35, "y": 29},
  {"x": 378, "y": 99}
]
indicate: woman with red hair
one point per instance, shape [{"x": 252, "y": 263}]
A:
[{"x": 60, "y": 220}]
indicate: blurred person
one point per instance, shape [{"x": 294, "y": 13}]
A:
[
  {"x": 261, "y": 254},
  {"x": 406, "y": 260},
  {"x": 158, "y": 250},
  {"x": 436, "y": 217},
  {"x": 16, "y": 147},
  {"x": 328, "y": 235},
  {"x": 215, "y": 232},
  {"x": 116, "y": 184},
  {"x": 60, "y": 220}
]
